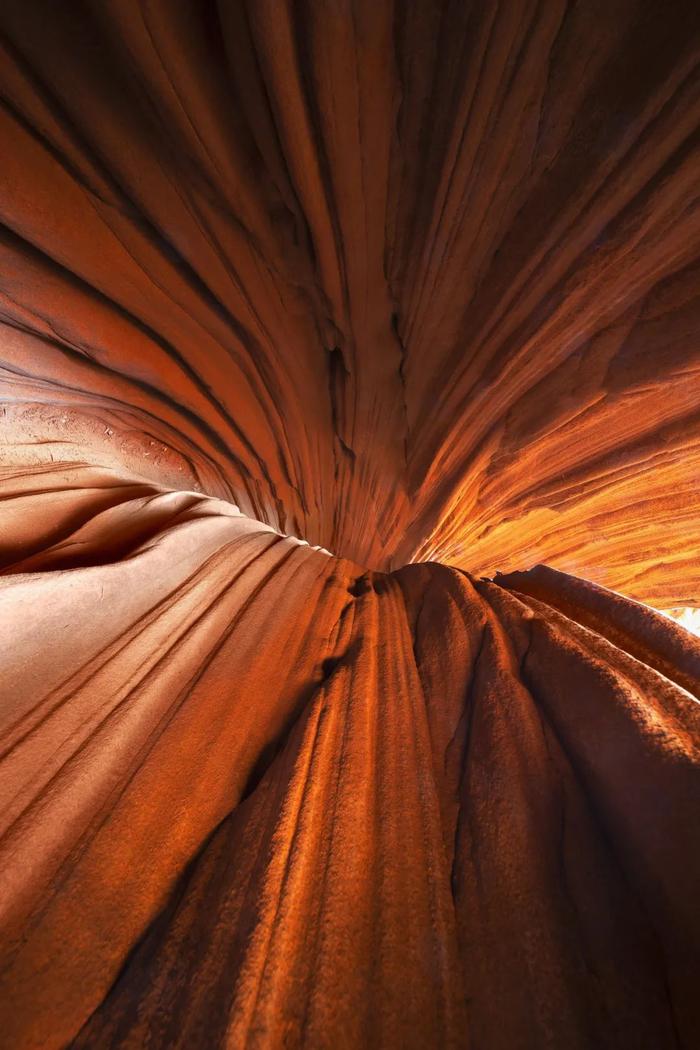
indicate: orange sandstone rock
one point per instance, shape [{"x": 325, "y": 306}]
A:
[{"x": 314, "y": 317}]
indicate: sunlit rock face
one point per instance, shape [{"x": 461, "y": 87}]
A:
[{"x": 322, "y": 327}]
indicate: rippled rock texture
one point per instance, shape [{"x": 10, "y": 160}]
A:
[{"x": 321, "y": 324}]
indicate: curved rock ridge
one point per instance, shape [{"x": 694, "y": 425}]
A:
[
  {"x": 254, "y": 795},
  {"x": 412, "y": 281},
  {"x": 349, "y": 412}
]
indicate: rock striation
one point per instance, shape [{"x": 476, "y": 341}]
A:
[
  {"x": 322, "y": 328},
  {"x": 409, "y": 281},
  {"x": 254, "y": 795}
]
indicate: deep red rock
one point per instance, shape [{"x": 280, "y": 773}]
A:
[{"x": 297, "y": 301}]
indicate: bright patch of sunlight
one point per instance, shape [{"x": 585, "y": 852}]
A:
[{"x": 687, "y": 617}]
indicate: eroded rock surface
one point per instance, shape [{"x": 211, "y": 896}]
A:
[
  {"x": 253, "y": 795},
  {"x": 411, "y": 281},
  {"x": 322, "y": 326}
]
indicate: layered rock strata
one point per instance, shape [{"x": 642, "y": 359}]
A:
[
  {"x": 253, "y": 795},
  {"x": 322, "y": 325},
  {"x": 412, "y": 281}
]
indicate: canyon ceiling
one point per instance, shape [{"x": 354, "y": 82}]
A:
[{"x": 349, "y": 410}]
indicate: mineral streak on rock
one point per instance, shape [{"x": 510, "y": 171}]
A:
[{"x": 349, "y": 410}]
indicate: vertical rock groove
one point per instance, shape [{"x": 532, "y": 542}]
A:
[{"x": 349, "y": 412}]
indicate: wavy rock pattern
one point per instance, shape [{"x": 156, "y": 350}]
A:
[
  {"x": 264, "y": 798},
  {"x": 409, "y": 281},
  {"x": 418, "y": 284}
]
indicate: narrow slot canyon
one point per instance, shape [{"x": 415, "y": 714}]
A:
[{"x": 349, "y": 524}]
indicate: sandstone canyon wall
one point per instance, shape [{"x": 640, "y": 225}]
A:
[{"x": 322, "y": 326}]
